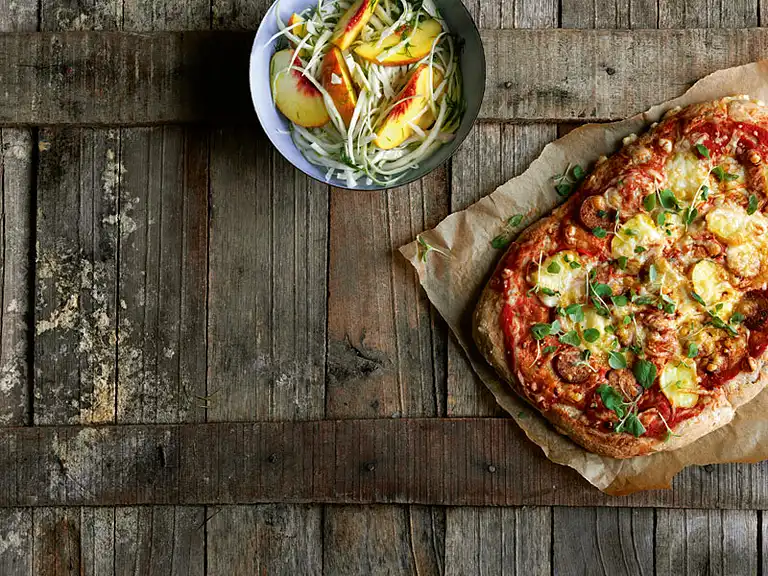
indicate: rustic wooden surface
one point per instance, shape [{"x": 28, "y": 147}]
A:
[
  {"x": 201, "y": 77},
  {"x": 134, "y": 251}
]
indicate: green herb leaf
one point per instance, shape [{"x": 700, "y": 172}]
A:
[
  {"x": 640, "y": 249},
  {"x": 501, "y": 241},
  {"x": 610, "y": 329},
  {"x": 668, "y": 304},
  {"x": 698, "y": 298},
  {"x": 616, "y": 360},
  {"x": 645, "y": 373},
  {"x": 602, "y": 290},
  {"x": 555, "y": 327},
  {"x": 632, "y": 425},
  {"x": 575, "y": 312},
  {"x": 612, "y": 400},
  {"x": 592, "y": 274},
  {"x": 661, "y": 218},
  {"x": 644, "y": 300},
  {"x": 668, "y": 199},
  {"x": 548, "y": 349},
  {"x": 704, "y": 192},
  {"x": 702, "y": 150},
  {"x": 563, "y": 189},
  {"x": 736, "y": 318},
  {"x": 602, "y": 213},
  {"x": 693, "y": 350},
  {"x": 619, "y": 300},
  {"x": 752, "y": 206},
  {"x": 690, "y": 215},
  {"x": 553, "y": 268},
  {"x": 547, "y": 291},
  {"x": 599, "y": 231},
  {"x": 578, "y": 172},
  {"x": 571, "y": 337},
  {"x": 591, "y": 335},
  {"x": 574, "y": 265},
  {"x": 722, "y": 175},
  {"x": 621, "y": 262},
  {"x": 629, "y": 232},
  {"x": 717, "y": 322},
  {"x": 541, "y": 331},
  {"x": 515, "y": 220},
  {"x": 627, "y": 320},
  {"x": 649, "y": 202}
]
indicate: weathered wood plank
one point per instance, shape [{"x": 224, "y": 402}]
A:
[
  {"x": 504, "y": 541},
  {"x": 268, "y": 539},
  {"x": 16, "y": 178},
  {"x": 386, "y": 357},
  {"x": 16, "y": 191},
  {"x": 555, "y": 75},
  {"x": 162, "y": 231},
  {"x": 603, "y": 541},
  {"x": 708, "y": 14},
  {"x": 16, "y": 542},
  {"x": 712, "y": 542},
  {"x": 76, "y": 279},
  {"x": 461, "y": 462},
  {"x": 267, "y": 323}
]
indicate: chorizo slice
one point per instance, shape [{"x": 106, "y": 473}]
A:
[
  {"x": 569, "y": 366},
  {"x": 595, "y": 212}
]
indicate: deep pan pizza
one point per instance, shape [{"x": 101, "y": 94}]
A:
[{"x": 635, "y": 317}]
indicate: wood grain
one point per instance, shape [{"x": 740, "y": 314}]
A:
[
  {"x": 549, "y": 75},
  {"x": 707, "y": 542},
  {"x": 465, "y": 462},
  {"x": 505, "y": 541},
  {"x": 162, "y": 232},
  {"x": 16, "y": 192},
  {"x": 386, "y": 358},
  {"x": 266, "y": 332}
]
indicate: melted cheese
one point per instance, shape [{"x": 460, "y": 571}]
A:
[
  {"x": 679, "y": 384},
  {"x": 685, "y": 174},
  {"x": 606, "y": 341},
  {"x": 637, "y": 231},
  {"x": 710, "y": 281},
  {"x": 676, "y": 286},
  {"x": 744, "y": 260},
  {"x": 729, "y": 223},
  {"x": 568, "y": 283}
]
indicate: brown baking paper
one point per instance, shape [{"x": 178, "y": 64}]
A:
[{"x": 454, "y": 283}]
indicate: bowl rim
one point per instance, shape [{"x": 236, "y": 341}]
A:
[{"x": 456, "y": 143}]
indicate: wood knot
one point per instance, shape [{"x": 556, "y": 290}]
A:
[
  {"x": 370, "y": 466},
  {"x": 508, "y": 85},
  {"x": 491, "y": 468},
  {"x": 272, "y": 458},
  {"x": 610, "y": 71}
]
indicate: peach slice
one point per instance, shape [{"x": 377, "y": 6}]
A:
[
  {"x": 295, "y": 96},
  {"x": 418, "y": 46},
  {"x": 411, "y": 101},
  {"x": 338, "y": 83},
  {"x": 352, "y": 22},
  {"x": 300, "y": 30}
]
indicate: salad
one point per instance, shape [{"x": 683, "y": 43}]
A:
[{"x": 371, "y": 87}]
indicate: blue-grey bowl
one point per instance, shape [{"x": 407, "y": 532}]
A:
[{"x": 472, "y": 59}]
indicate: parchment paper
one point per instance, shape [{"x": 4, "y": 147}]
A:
[{"x": 454, "y": 284}]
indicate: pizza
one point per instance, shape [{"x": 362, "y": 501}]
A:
[{"x": 635, "y": 316}]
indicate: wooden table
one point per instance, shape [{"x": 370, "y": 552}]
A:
[{"x": 210, "y": 364}]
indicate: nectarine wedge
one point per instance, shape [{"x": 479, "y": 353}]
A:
[
  {"x": 410, "y": 105},
  {"x": 417, "y": 47},
  {"x": 301, "y": 29},
  {"x": 352, "y": 22},
  {"x": 338, "y": 83},
  {"x": 295, "y": 96}
]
